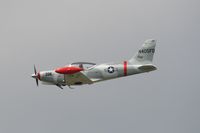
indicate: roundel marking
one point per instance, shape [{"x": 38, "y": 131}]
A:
[{"x": 111, "y": 69}]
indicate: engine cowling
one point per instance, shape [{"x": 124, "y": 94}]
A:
[{"x": 52, "y": 77}]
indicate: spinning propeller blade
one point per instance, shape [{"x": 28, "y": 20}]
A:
[{"x": 35, "y": 75}]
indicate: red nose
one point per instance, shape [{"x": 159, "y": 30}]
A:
[
  {"x": 38, "y": 75},
  {"x": 68, "y": 70}
]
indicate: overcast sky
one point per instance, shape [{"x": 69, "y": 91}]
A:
[{"x": 54, "y": 33}]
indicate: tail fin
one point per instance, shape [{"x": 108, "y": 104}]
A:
[{"x": 145, "y": 54}]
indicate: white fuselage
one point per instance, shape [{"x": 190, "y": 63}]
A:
[{"x": 95, "y": 74}]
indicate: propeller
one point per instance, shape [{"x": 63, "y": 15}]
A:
[{"x": 36, "y": 75}]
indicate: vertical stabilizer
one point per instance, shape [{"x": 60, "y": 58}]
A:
[{"x": 145, "y": 54}]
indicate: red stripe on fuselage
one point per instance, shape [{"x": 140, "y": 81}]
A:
[{"x": 125, "y": 68}]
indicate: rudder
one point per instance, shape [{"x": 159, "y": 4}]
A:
[{"x": 145, "y": 54}]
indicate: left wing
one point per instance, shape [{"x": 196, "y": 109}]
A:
[{"x": 78, "y": 78}]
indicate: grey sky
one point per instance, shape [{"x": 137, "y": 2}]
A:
[{"x": 53, "y": 33}]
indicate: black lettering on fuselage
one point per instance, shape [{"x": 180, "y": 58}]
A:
[{"x": 48, "y": 74}]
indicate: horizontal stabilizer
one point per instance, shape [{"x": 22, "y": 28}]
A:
[{"x": 147, "y": 68}]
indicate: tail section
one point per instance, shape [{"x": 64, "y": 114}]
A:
[{"x": 145, "y": 54}]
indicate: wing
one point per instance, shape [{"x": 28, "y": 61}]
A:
[{"x": 78, "y": 78}]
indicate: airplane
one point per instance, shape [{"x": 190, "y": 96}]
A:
[{"x": 81, "y": 73}]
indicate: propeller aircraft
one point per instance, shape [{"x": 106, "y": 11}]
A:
[{"x": 80, "y": 73}]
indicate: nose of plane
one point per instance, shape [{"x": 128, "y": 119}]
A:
[{"x": 34, "y": 76}]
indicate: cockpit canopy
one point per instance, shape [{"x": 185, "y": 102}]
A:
[{"x": 83, "y": 65}]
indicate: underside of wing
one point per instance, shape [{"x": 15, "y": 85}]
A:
[{"x": 77, "y": 79}]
